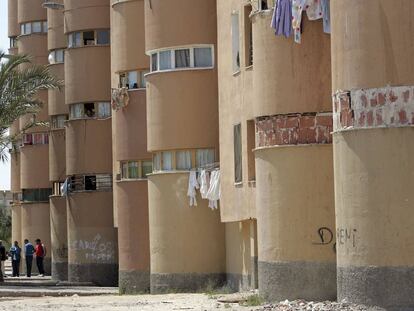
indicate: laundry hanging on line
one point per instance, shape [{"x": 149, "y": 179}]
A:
[
  {"x": 208, "y": 185},
  {"x": 287, "y": 16}
]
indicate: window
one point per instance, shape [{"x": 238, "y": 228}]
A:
[
  {"x": 204, "y": 157},
  {"x": 57, "y": 56},
  {"x": 135, "y": 169},
  {"x": 182, "y": 58},
  {"x": 167, "y": 161},
  {"x": 58, "y": 121},
  {"x": 183, "y": 160},
  {"x": 133, "y": 79},
  {"x": 194, "y": 57},
  {"x": 203, "y": 57},
  {"x": 165, "y": 60},
  {"x": 33, "y": 27},
  {"x": 90, "y": 182},
  {"x": 154, "y": 62},
  {"x": 35, "y": 139},
  {"x": 251, "y": 145},
  {"x": 37, "y": 27},
  {"x": 13, "y": 42},
  {"x": 238, "y": 173},
  {"x": 104, "y": 110},
  {"x": 235, "y": 41},
  {"x": 88, "y": 38},
  {"x": 248, "y": 36},
  {"x": 103, "y": 37},
  {"x": 146, "y": 168},
  {"x": 90, "y": 110},
  {"x": 36, "y": 195},
  {"x": 156, "y": 162}
]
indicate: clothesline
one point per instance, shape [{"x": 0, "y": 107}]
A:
[{"x": 208, "y": 167}]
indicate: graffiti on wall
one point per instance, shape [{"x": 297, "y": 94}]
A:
[
  {"x": 61, "y": 252},
  {"x": 346, "y": 236},
  {"x": 96, "y": 250},
  {"x": 325, "y": 237}
]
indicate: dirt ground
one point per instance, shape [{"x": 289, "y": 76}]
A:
[{"x": 197, "y": 302}]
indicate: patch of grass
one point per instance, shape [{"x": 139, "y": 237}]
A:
[
  {"x": 253, "y": 301},
  {"x": 211, "y": 290}
]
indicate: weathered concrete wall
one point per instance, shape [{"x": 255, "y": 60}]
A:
[
  {"x": 187, "y": 243},
  {"x": 372, "y": 72},
  {"x": 36, "y": 225},
  {"x": 59, "y": 238},
  {"x": 92, "y": 240},
  {"x": 296, "y": 224}
]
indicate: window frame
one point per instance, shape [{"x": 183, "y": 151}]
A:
[
  {"x": 155, "y": 56},
  {"x": 140, "y": 169},
  {"x": 141, "y": 81},
  {"x": 27, "y": 28},
  {"x": 96, "y": 115},
  {"x": 73, "y": 36},
  {"x": 53, "y": 60}
]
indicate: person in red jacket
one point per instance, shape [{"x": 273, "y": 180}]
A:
[{"x": 40, "y": 252}]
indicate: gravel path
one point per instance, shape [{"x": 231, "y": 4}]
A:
[{"x": 196, "y": 302}]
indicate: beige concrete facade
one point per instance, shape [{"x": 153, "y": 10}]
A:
[
  {"x": 372, "y": 214},
  {"x": 312, "y": 141},
  {"x": 92, "y": 238},
  {"x": 187, "y": 244},
  {"x": 129, "y": 143}
]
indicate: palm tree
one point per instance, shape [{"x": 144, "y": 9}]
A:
[{"x": 19, "y": 86}]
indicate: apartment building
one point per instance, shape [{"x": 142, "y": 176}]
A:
[{"x": 309, "y": 129}]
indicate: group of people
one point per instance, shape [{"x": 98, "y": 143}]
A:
[{"x": 38, "y": 251}]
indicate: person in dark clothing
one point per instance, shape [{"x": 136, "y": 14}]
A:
[
  {"x": 40, "y": 252},
  {"x": 3, "y": 257},
  {"x": 15, "y": 252},
  {"x": 28, "y": 251}
]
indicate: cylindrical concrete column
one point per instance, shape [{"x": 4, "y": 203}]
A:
[
  {"x": 129, "y": 136},
  {"x": 187, "y": 244},
  {"x": 373, "y": 86},
  {"x": 294, "y": 169},
  {"x": 92, "y": 238},
  {"x": 93, "y": 253},
  {"x": 59, "y": 238}
]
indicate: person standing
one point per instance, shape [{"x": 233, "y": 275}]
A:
[
  {"x": 40, "y": 252},
  {"x": 3, "y": 257},
  {"x": 15, "y": 252},
  {"x": 28, "y": 251}
]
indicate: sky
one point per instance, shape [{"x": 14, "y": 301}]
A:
[{"x": 4, "y": 45}]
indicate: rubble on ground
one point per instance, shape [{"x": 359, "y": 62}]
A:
[{"x": 302, "y": 305}]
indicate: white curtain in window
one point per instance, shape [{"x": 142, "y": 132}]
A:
[
  {"x": 183, "y": 159},
  {"x": 182, "y": 58},
  {"x": 52, "y": 57},
  {"x": 45, "y": 26},
  {"x": 124, "y": 170},
  {"x": 28, "y": 28},
  {"x": 157, "y": 162},
  {"x": 77, "y": 38},
  {"x": 203, "y": 57},
  {"x": 22, "y": 29},
  {"x": 167, "y": 161},
  {"x": 204, "y": 157},
  {"x": 37, "y": 27},
  {"x": 133, "y": 80},
  {"x": 154, "y": 62},
  {"x": 76, "y": 111},
  {"x": 104, "y": 110},
  {"x": 165, "y": 60},
  {"x": 59, "y": 56}
]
